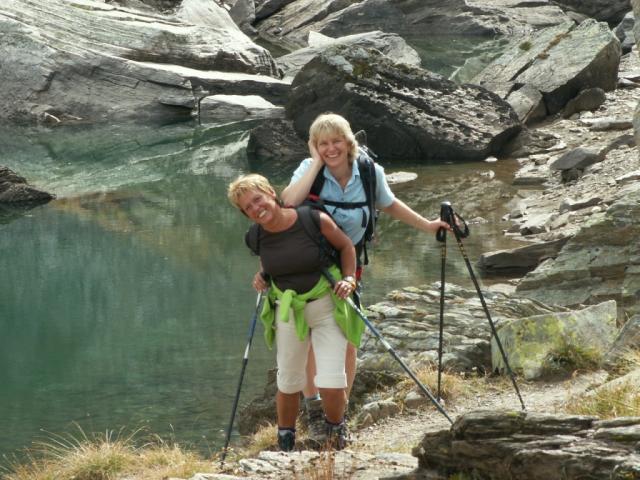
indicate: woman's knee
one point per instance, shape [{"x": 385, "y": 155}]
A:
[{"x": 290, "y": 381}]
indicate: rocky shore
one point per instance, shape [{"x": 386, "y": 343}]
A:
[{"x": 560, "y": 100}]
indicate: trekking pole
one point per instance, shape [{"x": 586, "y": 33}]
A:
[
  {"x": 450, "y": 218},
  {"x": 245, "y": 360},
  {"x": 390, "y": 349},
  {"x": 441, "y": 236}
]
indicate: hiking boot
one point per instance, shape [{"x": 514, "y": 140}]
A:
[
  {"x": 286, "y": 439},
  {"x": 316, "y": 427},
  {"x": 337, "y": 435}
]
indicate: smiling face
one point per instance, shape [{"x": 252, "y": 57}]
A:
[
  {"x": 334, "y": 149},
  {"x": 259, "y": 206}
]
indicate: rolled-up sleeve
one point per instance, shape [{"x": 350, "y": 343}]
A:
[
  {"x": 299, "y": 172},
  {"x": 384, "y": 195}
]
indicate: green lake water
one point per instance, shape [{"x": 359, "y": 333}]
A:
[{"x": 125, "y": 302}]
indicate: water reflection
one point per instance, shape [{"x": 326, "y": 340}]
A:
[{"x": 126, "y": 301}]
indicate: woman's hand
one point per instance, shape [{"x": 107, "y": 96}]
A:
[
  {"x": 314, "y": 152},
  {"x": 259, "y": 283},
  {"x": 344, "y": 288}
]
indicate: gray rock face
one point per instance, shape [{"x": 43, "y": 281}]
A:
[
  {"x": 624, "y": 32},
  {"x": 391, "y": 45},
  {"x": 14, "y": 190},
  {"x": 611, "y": 11},
  {"x": 409, "y": 320},
  {"x": 627, "y": 340},
  {"x": 636, "y": 31},
  {"x": 602, "y": 261},
  {"x": 407, "y": 112},
  {"x": 520, "y": 259},
  {"x": 90, "y": 61},
  {"x": 558, "y": 62},
  {"x": 291, "y": 25},
  {"x": 505, "y": 445}
]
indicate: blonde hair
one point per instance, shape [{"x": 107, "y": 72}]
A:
[
  {"x": 334, "y": 124},
  {"x": 246, "y": 183}
]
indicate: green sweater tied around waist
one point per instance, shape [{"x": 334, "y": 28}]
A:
[{"x": 346, "y": 318}]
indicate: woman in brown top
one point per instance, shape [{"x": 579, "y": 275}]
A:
[{"x": 306, "y": 311}]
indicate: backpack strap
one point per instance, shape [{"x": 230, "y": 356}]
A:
[
  {"x": 317, "y": 185},
  {"x": 252, "y": 238},
  {"x": 311, "y": 224}
]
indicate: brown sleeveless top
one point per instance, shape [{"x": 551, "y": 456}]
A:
[{"x": 291, "y": 257}]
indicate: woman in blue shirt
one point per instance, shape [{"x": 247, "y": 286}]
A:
[{"x": 332, "y": 144}]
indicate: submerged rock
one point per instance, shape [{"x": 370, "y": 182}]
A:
[{"x": 15, "y": 191}]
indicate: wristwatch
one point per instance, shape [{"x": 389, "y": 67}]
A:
[{"x": 351, "y": 280}]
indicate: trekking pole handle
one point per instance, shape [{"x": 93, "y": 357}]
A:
[{"x": 455, "y": 221}]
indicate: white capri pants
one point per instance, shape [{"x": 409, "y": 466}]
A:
[{"x": 329, "y": 347}]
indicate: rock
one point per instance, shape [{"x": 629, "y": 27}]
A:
[
  {"x": 389, "y": 44},
  {"x": 624, "y": 32},
  {"x": 407, "y": 112},
  {"x": 376, "y": 411},
  {"x": 627, "y": 340},
  {"x": 520, "y": 259},
  {"x": 578, "y": 158},
  {"x": 535, "y": 345},
  {"x": 243, "y": 13},
  {"x": 397, "y": 178},
  {"x": 607, "y": 124},
  {"x": 290, "y": 26},
  {"x": 233, "y": 108},
  {"x": 274, "y": 146},
  {"x": 266, "y": 8},
  {"x": 528, "y": 104},
  {"x": 58, "y": 63},
  {"x": 14, "y": 190},
  {"x": 569, "y": 205},
  {"x": 558, "y": 62},
  {"x": 598, "y": 263},
  {"x": 611, "y": 11},
  {"x": 589, "y": 99},
  {"x": 505, "y": 444}
]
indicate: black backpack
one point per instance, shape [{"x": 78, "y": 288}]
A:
[
  {"x": 311, "y": 226},
  {"x": 366, "y": 166}
]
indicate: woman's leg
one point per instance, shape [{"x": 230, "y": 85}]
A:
[
  {"x": 310, "y": 390},
  {"x": 330, "y": 347},
  {"x": 291, "y": 357},
  {"x": 287, "y": 405}
]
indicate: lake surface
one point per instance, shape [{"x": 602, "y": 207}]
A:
[{"x": 125, "y": 303}]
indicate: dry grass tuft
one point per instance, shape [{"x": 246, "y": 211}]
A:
[
  {"x": 452, "y": 385},
  {"x": 263, "y": 439},
  {"x": 621, "y": 400},
  {"x": 105, "y": 456}
]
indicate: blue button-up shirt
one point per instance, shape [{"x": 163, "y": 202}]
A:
[{"x": 350, "y": 220}]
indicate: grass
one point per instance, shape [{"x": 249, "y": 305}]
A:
[
  {"x": 452, "y": 385},
  {"x": 105, "y": 456},
  {"x": 569, "y": 357},
  {"x": 608, "y": 402},
  {"x": 263, "y": 439}
]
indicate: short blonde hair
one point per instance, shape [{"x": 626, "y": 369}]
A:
[
  {"x": 246, "y": 183},
  {"x": 334, "y": 124}
]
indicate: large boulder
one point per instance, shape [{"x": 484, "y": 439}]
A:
[
  {"x": 407, "y": 112},
  {"x": 390, "y": 44},
  {"x": 553, "y": 66},
  {"x": 87, "y": 60},
  {"x": 503, "y": 445},
  {"x": 291, "y": 25},
  {"x": 611, "y": 11},
  {"x": 535, "y": 345},
  {"x": 600, "y": 262}
]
